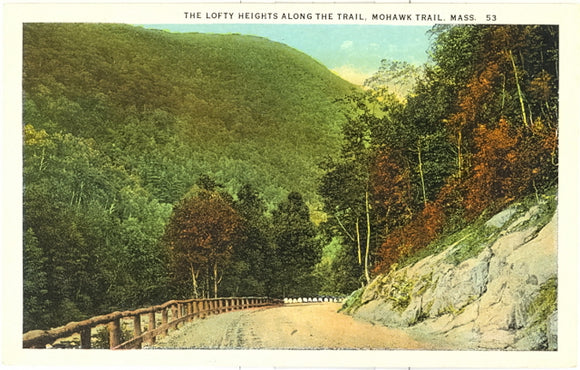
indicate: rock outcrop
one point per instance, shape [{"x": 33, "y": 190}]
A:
[{"x": 503, "y": 296}]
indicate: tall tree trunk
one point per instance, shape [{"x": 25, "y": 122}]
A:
[
  {"x": 207, "y": 289},
  {"x": 215, "y": 280},
  {"x": 358, "y": 243},
  {"x": 367, "y": 208},
  {"x": 502, "y": 94},
  {"x": 520, "y": 96},
  {"x": 421, "y": 173},
  {"x": 459, "y": 154},
  {"x": 194, "y": 280}
]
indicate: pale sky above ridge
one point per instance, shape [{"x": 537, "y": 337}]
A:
[{"x": 353, "y": 52}]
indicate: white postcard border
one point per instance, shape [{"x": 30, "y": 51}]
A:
[{"x": 15, "y": 14}]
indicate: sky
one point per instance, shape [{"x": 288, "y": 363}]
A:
[{"x": 353, "y": 52}]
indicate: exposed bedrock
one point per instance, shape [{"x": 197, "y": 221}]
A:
[{"x": 504, "y": 297}]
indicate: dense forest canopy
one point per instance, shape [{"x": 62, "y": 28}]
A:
[
  {"x": 161, "y": 165},
  {"x": 478, "y": 130},
  {"x": 171, "y": 107}
]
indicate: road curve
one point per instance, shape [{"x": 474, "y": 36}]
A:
[{"x": 295, "y": 326}]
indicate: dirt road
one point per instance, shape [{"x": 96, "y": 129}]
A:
[{"x": 298, "y": 326}]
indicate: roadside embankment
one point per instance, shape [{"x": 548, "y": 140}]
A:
[{"x": 489, "y": 287}]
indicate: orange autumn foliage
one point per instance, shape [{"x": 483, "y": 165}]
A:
[
  {"x": 509, "y": 162},
  {"x": 417, "y": 234},
  {"x": 479, "y": 92},
  {"x": 492, "y": 179},
  {"x": 391, "y": 187},
  {"x": 200, "y": 236}
]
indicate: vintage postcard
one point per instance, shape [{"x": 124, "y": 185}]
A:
[{"x": 306, "y": 185}]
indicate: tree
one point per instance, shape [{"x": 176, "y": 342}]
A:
[
  {"x": 91, "y": 233},
  {"x": 334, "y": 271},
  {"x": 201, "y": 235},
  {"x": 297, "y": 245},
  {"x": 391, "y": 189},
  {"x": 345, "y": 187},
  {"x": 254, "y": 260},
  {"x": 35, "y": 285}
]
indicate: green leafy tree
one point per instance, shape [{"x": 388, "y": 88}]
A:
[
  {"x": 91, "y": 232},
  {"x": 347, "y": 186},
  {"x": 396, "y": 76},
  {"x": 298, "y": 246},
  {"x": 254, "y": 260},
  {"x": 35, "y": 284}
]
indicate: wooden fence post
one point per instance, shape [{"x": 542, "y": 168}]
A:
[
  {"x": 194, "y": 309},
  {"x": 164, "y": 319},
  {"x": 137, "y": 328},
  {"x": 86, "y": 337},
  {"x": 137, "y": 325},
  {"x": 173, "y": 313},
  {"x": 199, "y": 308},
  {"x": 151, "y": 339},
  {"x": 114, "y": 333},
  {"x": 203, "y": 308}
]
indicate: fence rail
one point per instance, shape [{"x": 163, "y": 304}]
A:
[{"x": 173, "y": 313}]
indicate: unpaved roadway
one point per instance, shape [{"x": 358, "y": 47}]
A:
[{"x": 296, "y": 326}]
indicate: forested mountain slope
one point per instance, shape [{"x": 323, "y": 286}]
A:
[
  {"x": 122, "y": 123},
  {"x": 169, "y": 107}
]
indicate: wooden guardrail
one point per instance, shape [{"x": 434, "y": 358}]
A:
[{"x": 173, "y": 313}]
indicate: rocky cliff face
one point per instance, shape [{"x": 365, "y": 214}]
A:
[{"x": 502, "y": 296}]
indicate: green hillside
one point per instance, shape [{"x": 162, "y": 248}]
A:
[
  {"x": 169, "y": 107},
  {"x": 121, "y": 123}
]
